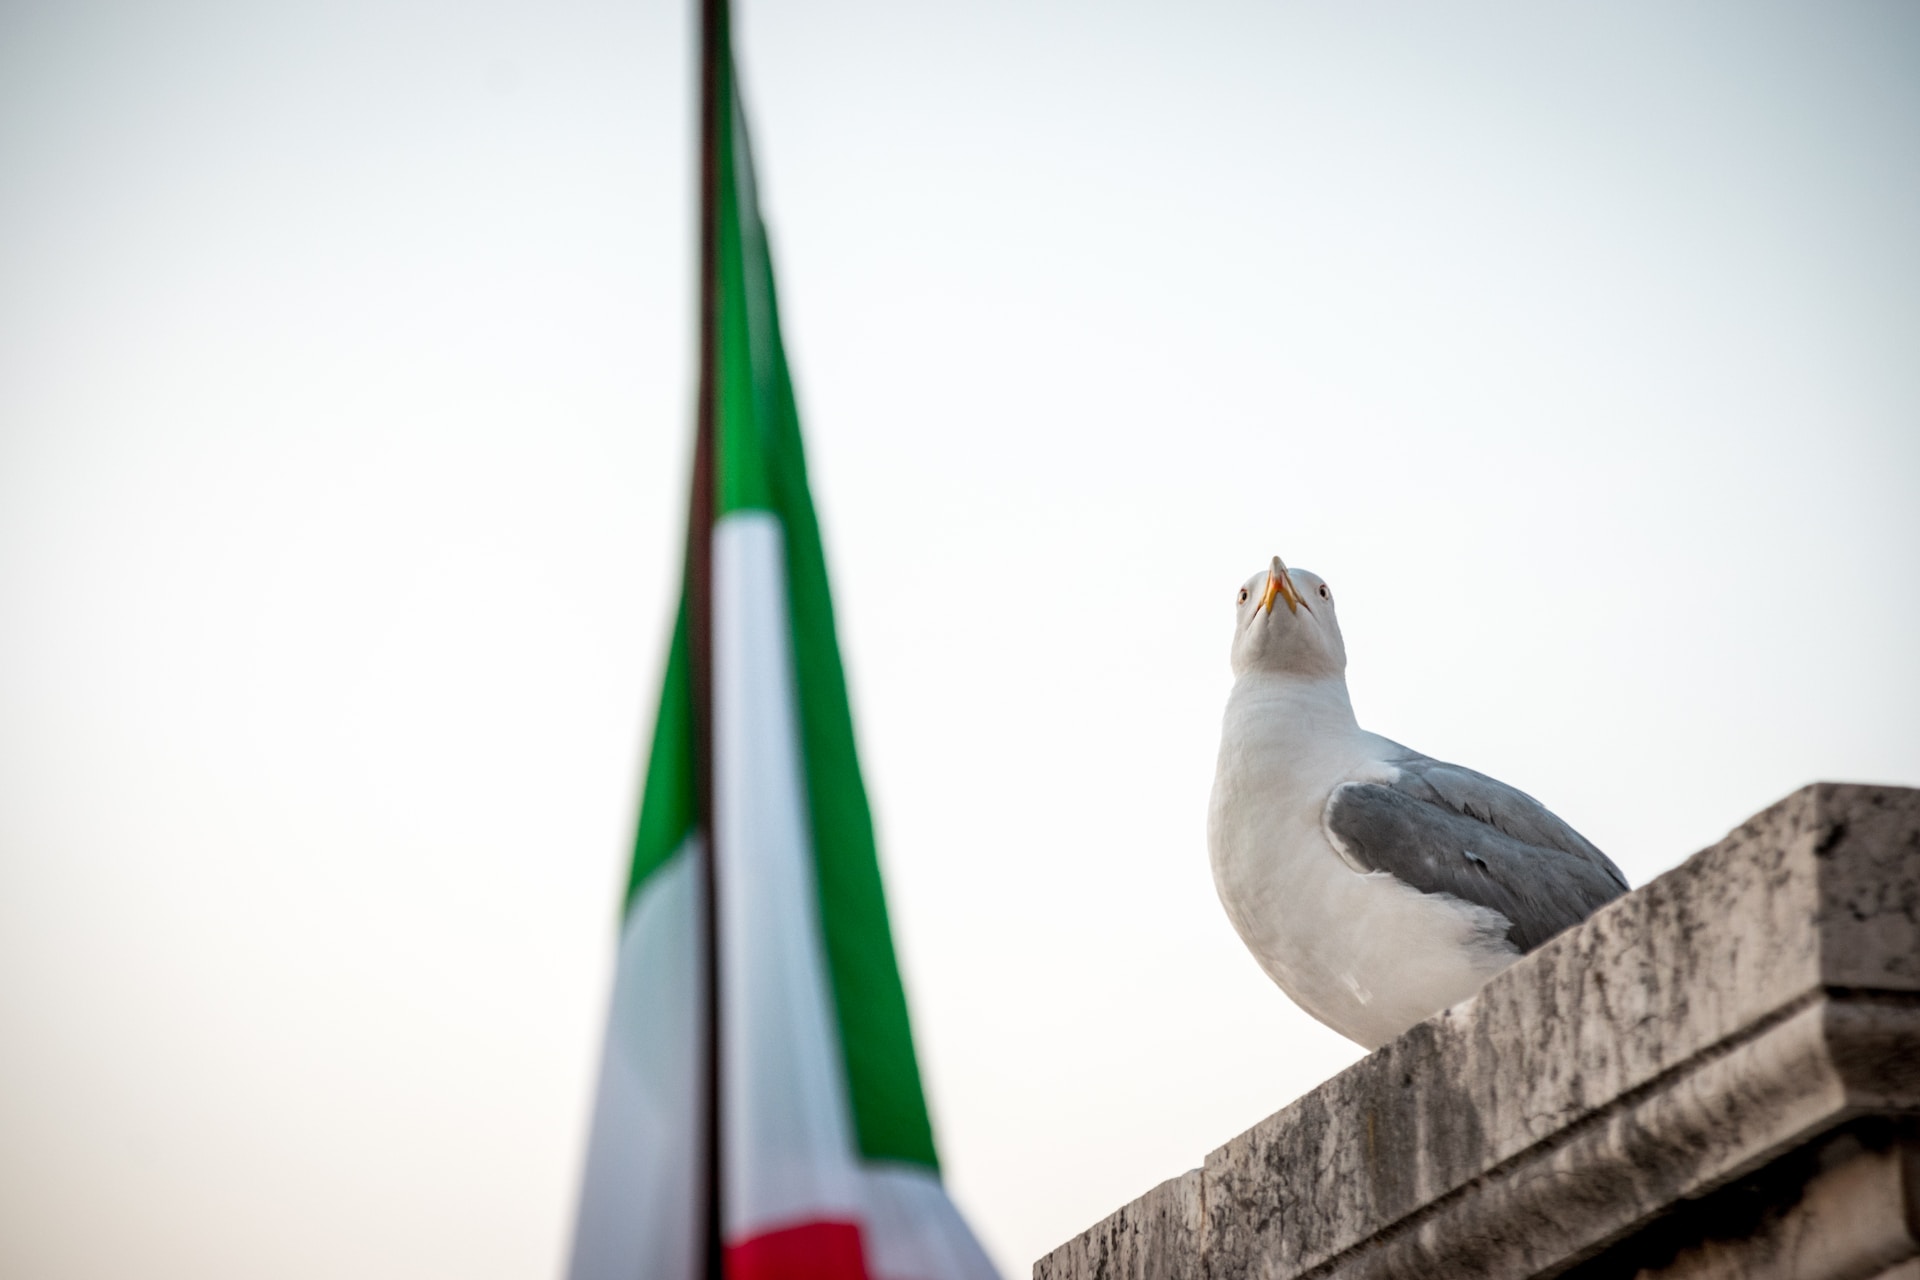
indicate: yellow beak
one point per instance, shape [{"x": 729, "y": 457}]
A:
[{"x": 1279, "y": 583}]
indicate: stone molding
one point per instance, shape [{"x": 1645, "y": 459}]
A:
[{"x": 1590, "y": 1103}]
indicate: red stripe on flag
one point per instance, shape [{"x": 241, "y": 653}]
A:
[{"x": 810, "y": 1251}]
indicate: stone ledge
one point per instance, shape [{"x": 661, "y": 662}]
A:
[{"x": 1756, "y": 1000}]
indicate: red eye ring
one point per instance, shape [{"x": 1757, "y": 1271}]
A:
[
  {"x": 1324, "y": 593},
  {"x": 1243, "y": 596}
]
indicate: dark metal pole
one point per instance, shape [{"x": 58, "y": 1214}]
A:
[{"x": 700, "y": 514}]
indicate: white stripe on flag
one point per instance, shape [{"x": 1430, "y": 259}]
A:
[
  {"x": 786, "y": 1134},
  {"x": 640, "y": 1202},
  {"x": 912, "y": 1230}
]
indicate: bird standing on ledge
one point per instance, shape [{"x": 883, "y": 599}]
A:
[{"x": 1375, "y": 885}]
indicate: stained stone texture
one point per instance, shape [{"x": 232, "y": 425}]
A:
[
  {"x": 1716, "y": 1075},
  {"x": 1154, "y": 1236}
]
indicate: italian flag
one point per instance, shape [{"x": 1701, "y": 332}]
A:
[{"x": 759, "y": 1114}]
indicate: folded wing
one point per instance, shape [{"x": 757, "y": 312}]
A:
[{"x": 1445, "y": 829}]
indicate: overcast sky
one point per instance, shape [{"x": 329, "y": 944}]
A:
[{"x": 345, "y": 388}]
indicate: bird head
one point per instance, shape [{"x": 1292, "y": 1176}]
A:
[{"x": 1284, "y": 622}]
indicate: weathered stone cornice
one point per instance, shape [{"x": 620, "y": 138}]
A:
[{"x": 1760, "y": 1000}]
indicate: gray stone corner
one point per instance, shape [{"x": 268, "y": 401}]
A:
[{"x": 1716, "y": 1075}]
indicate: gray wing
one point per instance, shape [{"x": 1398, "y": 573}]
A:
[{"x": 1445, "y": 829}]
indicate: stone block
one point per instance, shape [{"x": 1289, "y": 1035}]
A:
[{"x": 1154, "y": 1238}]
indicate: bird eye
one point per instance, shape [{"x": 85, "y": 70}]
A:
[
  {"x": 1243, "y": 596},
  {"x": 1324, "y": 593}
]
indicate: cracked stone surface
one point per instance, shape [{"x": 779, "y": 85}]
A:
[{"x": 1753, "y": 1001}]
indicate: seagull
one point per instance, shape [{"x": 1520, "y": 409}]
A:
[{"x": 1375, "y": 885}]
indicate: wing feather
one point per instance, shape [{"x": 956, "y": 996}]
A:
[{"x": 1446, "y": 829}]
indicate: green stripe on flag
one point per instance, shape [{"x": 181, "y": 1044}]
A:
[
  {"x": 749, "y": 334},
  {"x": 670, "y": 804},
  {"x": 761, "y": 466}
]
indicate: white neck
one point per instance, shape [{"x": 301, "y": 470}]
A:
[{"x": 1310, "y": 705}]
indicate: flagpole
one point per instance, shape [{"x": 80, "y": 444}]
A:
[{"x": 713, "y": 48}]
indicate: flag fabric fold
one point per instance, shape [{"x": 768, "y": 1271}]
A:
[{"x": 798, "y": 1134}]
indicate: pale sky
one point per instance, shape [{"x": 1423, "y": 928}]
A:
[{"x": 345, "y": 395}]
